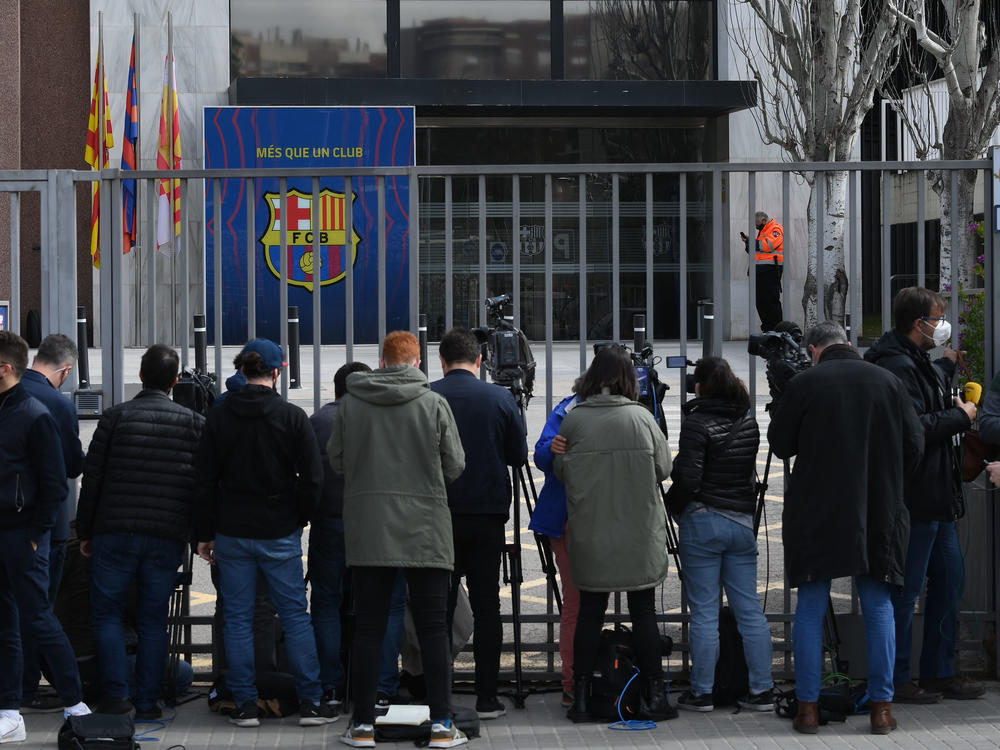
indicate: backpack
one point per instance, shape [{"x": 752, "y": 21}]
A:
[
  {"x": 464, "y": 717},
  {"x": 732, "y": 678},
  {"x": 98, "y": 732},
  {"x": 614, "y": 667}
]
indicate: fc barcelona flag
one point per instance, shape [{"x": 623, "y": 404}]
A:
[
  {"x": 91, "y": 154},
  {"x": 168, "y": 156},
  {"x": 129, "y": 140}
]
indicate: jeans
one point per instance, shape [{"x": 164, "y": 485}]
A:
[
  {"x": 24, "y": 598},
  {"x": 718, "y": 552},
  {"x": 645, "y": 637},
  {"x": 326, "y": 576},
  {"x": 388, "y": 678},
  {"x": 280, "y": 560},
  {"x": 428, "y": 588},
  {"x": 479, "y": 549},
  {"x": 570, "y": 608},
  {"x": 933, "y": 554},
  {"x": 151, "y": 563},
  {"x": 876, "y": 606},
  {"x": 32, "y": 663}
]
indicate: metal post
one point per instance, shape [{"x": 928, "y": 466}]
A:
[
  {"x": 638, "y": 332},
  {"x": 422, "y": 338},
  {"x": 201, "y": 345},
  {"x": 83, "y": 362},
  {"x": 294, "y": 372},
  {"x": 707, "y": 327}
]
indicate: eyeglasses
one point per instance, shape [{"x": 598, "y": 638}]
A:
[{"x": 937, "y": 319}]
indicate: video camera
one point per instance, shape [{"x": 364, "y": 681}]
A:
[
  {"x": 782, "y": 351},
  {"x": 506, "y": 351},
  {"x": 195, "y": 390},
  {"x": 651, "y": 388}
]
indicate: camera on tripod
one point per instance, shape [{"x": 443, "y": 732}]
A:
[
  {"x": 651, "y": 388},
  {"x": 782, "y": 352},
  {"x": 195, "y": 390},
  {"x": 506, "y": 351}
]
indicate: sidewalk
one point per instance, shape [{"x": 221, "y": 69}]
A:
[{"x": 542, "y": 724}]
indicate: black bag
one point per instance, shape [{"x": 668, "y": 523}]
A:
[
  {"x": 836, "y": 702},
  {"x": 614, "y": 668},
  {"x": 732, "y": 678},
  {"x": 465, "y": 718},
  {"x": 98, "y": 732}
]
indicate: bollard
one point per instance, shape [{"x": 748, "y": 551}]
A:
[
  {"x": 707, "y": 326},
  {"x": 294, "y": 378},
  {"x": 83, "y": 363},
  {"x": 638, "y": 332},
  {"x": 422, "y": 338},
  {"x": 200, "y": 345},
  {"x": 847, "y": 326}
]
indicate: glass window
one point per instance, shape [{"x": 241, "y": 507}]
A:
[
  {"x": 652, "y": 40},
  {"x": 340, "y": 38},
  {"x": 475, "y": 39}
]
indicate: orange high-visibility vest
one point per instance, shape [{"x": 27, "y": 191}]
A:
[{"x": 771, "y": 243}]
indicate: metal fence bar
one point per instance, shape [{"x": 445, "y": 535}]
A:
[
  {"x": 381, "y": 258},
  {"x": 682, "y": 281},
  {"x": 317, "y": 307},
  {"x": 62, "y": 213},
  {"x": 449, "y": 258},
  {"x": 185, "y": 335},
  {"x": 548, "y": 294},
  {"x": 15, "y": 263},
  {"x": 616, "y": 290},
  {"x": 886, "y": 250},
  {"x": 348, "y": 267},
  {"x": 414, "y": 230},
  {"x": 481, "y": 244},
  {"x": 752, "y": 273},
  {"x": 150, "y": 258},
  {"x": 921, "y": 228},
  {"x": 854, "y": 269},
  {"x": 582, "y": 294},
  {"x": 955, "y": 260},
  {"x": 515, "y": 260},
  {"x": 45, "y": 266},
  {"x": 251, "y": 260},
  {"x": 650, "y": 331},
  {"x": 217, "y": 253},
  {"x": 786, "y": 212},
  {"x": 717, "y": 260},
  {"x": 283, "y": 272},
  {"x": 821, "y": 312}
]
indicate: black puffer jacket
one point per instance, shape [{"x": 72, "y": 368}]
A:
[
  {"x": 709, "y": 467},
  {"x": 139, "y": 474},
  {"x": 930, "y": 489}
]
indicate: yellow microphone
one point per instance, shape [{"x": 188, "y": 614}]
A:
[{"x": 973, "y": 392}]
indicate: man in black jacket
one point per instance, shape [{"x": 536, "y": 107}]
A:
[
  {"x": 492, "y": 433},
  {"x": 844, "y": 514},
  {"x": 53, "y": 363},
  {"x": 134, "y": 519},
  {"x": 32, "y": 486},
  {"x": 258, "y": 481},
  {"x": 933, "y": 553}
]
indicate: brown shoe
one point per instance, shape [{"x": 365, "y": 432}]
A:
[
  {"x": 881, "y": 717},
  {"x": 953, "y": 688},
  {"x": 910, "y": 692},
  {"x": 806, "y": 720}
]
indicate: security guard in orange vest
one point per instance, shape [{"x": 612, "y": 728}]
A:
[{"x": 770, "y": 259}]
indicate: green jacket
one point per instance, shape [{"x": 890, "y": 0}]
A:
[
  {"x": 617, "y": 523},
  {"x": 396, "y": 443}
]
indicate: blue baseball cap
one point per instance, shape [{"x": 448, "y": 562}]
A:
[{"x": 269, "y": 352}]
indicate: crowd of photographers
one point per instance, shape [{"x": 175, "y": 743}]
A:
[{"x": 406, "y": 485}]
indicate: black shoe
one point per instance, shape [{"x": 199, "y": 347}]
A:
[
  {"x": 115, "y": 706},
  {"x": 315, "y": 715},
  {"x": 914, "y": 694},
  {"x": 247, "y": 715},
  {"x": 382, "y": 703},
  {"x": 152, "y": 713},
  {"x": 490, "y": 708},
  {"x": 41, "y": 704},
  {"x": 653, "y": 701},
  {"x": 580, "y": 710},
  {"x": 953, "y": 688},
  {"x": 691, "y": 702},
  {"x": 757, "y": 702}
]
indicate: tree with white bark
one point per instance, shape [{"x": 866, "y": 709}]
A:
[
  {"x": 817, "y": 64},
  {"x": 961, "y": 40}
]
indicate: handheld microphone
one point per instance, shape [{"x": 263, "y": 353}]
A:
[{"x": 973, "y": 392}]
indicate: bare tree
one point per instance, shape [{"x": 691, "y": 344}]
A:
[
  {"x": 817, "y": 64},
  {"x": 962, "y": 42}
]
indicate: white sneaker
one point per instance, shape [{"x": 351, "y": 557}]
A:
[
  {"x": 80, "y": 709},
  {"x": 359, "y": 735},
  {"x": 12, "y": 729},
  {"x": 446, "y": 734}
]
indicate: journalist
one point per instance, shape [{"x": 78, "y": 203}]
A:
[
  {"x": 854, "y": 440},
  {"x": 931, "y": 488},
  {"x": 611, "y": 455},
  {"x": 713, "y": 495}
]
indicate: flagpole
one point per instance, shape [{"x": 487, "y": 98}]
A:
[
  {"x": 139, "y": 184},
  {"x": 175, "y": 241}
]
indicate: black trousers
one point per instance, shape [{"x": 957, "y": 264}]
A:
[
  {"x": 479, "y": 548},
  {"x": 645, "y": 637},
  {"x": 769, "y": 295},
  {"x": 428, "y": 601}
]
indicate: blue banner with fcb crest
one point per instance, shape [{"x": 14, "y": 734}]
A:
[{"x": 282, "y": 138}]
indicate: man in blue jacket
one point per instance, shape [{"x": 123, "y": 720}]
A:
[
  {"x": 51, "y": 367},
  {"x": 492, "y": 433},
  {"x": 32, "y": 485}
]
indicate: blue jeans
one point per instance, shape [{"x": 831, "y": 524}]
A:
[
  {"x": 715, "y": 552},
  {"x": 151, "y": 563},
  {"x": 280, "y": 560},
  {"x": 326, "y": 575},
  {"x": 24, "y": 598},
  {"x": 876, "y": 606},
  {"x": 933, "y": 554}
]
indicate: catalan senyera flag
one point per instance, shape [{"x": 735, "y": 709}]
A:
[
  {"x": 91, "y": 154},
  {"x": 129, "y": 139},
  {"x": 168, "y": 156}
]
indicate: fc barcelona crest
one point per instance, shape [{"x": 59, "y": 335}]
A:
[{"x": 302, "y": 268}]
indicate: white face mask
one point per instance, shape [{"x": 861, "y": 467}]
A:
[{"x": 942, "y": 333}]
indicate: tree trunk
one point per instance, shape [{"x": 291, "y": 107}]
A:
[
  {"x": 958, "y": 244},
  {"x": 832, "y": 223}
]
